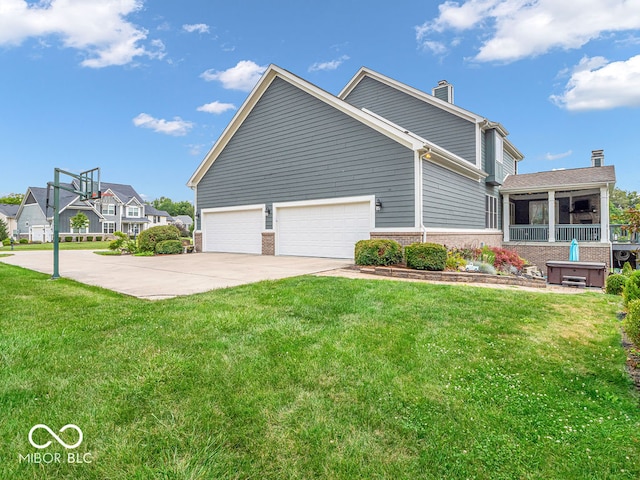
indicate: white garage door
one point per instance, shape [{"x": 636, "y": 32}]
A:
[
  {"x": 324, "y": 230},
  {"x": 40, "y": 233},
  {"x": 233, "y": 230}
]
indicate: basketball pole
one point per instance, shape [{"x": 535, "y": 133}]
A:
[{"x": 56, "y": 224}]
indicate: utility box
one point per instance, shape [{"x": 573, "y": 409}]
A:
[{"x": 593, "y": 274}]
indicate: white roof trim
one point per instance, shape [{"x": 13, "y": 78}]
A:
[
  {"x": 270, "y": 74},
  {"x": 562, "y": 187},
  {"x": 414, "y": 92}
]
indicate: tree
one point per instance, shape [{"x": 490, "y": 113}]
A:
[
  {"x": 620, "y": 203},
  {"x": 173, "y": 208},
  {"x": 79, "y": 221},
  {"x": 3, "y": 230},
  {"x": 12, "y": 199}
]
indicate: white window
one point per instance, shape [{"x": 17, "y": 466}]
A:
[
  {"x": 78, "y": 230},
  {"x": 108, "y": 227},
  {"x": 108, "y": 209},
  {"x": 133, "y": 211},
  {"x": 491, "y": 211}
]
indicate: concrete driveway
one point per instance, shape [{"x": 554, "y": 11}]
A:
[{"x": 170, "y": 275}]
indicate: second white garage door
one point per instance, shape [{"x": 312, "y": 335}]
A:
[
  {"x": 322, "y": 230},
  {"x": 233, "y": 230}
]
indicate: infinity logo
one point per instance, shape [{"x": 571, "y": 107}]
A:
[{"x": 58, "y": 439}]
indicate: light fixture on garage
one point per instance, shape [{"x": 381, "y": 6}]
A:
[
  {"x": 378, "y": 205},
  {"x": 267, "y": 212}
]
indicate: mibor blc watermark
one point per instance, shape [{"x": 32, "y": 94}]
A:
[{"x": 56, "y": 457}]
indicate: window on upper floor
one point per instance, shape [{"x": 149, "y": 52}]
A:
[
  {"x": 108, "y": 209},
  {"x": 133, "y": 211}
]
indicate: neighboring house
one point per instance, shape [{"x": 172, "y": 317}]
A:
[
  {"x": 119, "y": 209},
  {"x": 299, "y": 171},
  {"x": 8, "y": 214},
  {"x": 183, "y": 221}
]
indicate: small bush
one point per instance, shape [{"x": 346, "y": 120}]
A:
[
  {"x": 506, "y": 259},
  {"x": 169, "y": 247},
  {"x": 615, "y": 284},
  {"x": 632, "y": 288},
  {"x": 123, "y": 243},
  {"x": 23, "y": 241},
  {"x": 426, "y": 256},
  {"x": 484, "y": 267},
  {"x": 632, "y": 322},
  {"x": 455, "y": 261},
  {"x": 6, "y": 242},
  {"x": 378, "y": 252},
  {"x": 68, "y": 239},
  {"x": 148, "y": 239},
  {"x": 98, "y": 238},
  {"x": 89, "y": 238},
  {"x": 626, "y": 269}
]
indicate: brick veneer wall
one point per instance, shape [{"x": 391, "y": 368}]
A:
[
  {"x": 197, "y": 241},
  {"x": 403, "y": 238},
  {"x": 540, "y": 254},
  {"x": 466, "y": 240},
  {"x": 268, "y": 243}
]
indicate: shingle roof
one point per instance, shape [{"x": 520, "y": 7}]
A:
[
  {"x": 151, "y": 210},
  {"x": 573, "y": 177},
  {"x": 9, "y": 210},
  {"x": 124, "y": 192}
]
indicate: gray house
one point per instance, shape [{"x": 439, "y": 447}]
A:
[
  {"x": 121, "y": 208},
  {"x": 299, "y": 171}
]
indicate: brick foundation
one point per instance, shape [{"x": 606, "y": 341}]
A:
[
  {"x": 197, "y": 241},
  {"x": 539, "y": 254},
  {"x": 403, "y": 238},
  {"x": 466, "y": 240},
  {"x": 268, "y": 243}
]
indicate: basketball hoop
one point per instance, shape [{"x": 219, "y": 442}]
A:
[{"x": 105, "y": 199}]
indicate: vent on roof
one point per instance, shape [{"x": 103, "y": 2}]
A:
[
  {"x": 444, "y": 91},
  {"x": 597, "y": 158}
]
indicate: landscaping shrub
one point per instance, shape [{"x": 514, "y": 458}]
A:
[
  {"x": 378, "y": 252},
  {"x": 23, "y": 241},
  {"x": 6, "y": 242},
  {"x": 505, "y": 259},
  {"x": 484, "y": 267},
  {"x": 169, "y": 247},
  {"x": 632, "y": 288},
  {"x": 89, "y": 238},
  {"x": 123, "y": 243},
  {"x": 98, "y": 238},
  {"x": 68, "y": 239},
  {"x": 626, "y": 269},
  {"x": 615, "y": 284},
  {"x": 148, "y": 239},
  {"x": 426, "y": 256},
  {"x": 632, "y": 322},
  {"x": 455, "y": 260}
]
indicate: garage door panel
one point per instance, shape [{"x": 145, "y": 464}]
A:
[
  {"x": 236, "y": 231},
  {"x": 322, "y": 230}
]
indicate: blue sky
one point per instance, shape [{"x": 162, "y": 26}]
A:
[{"x": 142, "y": 89}]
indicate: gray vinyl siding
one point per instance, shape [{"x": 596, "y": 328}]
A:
[
  {"x": 451, "y": 200},
  {"x": 65, "y": 220},
  {"x": 29, "y": 216},
  {"x": 294, "y": 147},
  {"x": 509, "y": 167},
  {"x": 430, "y": 122}
]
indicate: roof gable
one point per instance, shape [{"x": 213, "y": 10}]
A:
[{"x": 273, "y": 72}]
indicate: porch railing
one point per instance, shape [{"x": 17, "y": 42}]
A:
[
  {"x": 621, "y": 234},
  {"x": 582, "y": 233},
  {"x": 563, "y": 233},
  {"x": 529, "y": 233}
]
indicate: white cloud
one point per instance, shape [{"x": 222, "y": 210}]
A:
[
  {"x": 176, "y": 127},
  {"x": 196, "y": 27},
  {"x": 331, "y": 65},
  {"x": 524, "y": 28},
  {"x": 216, "y": 107},
  {"x": 243, "y": 76},
  {"x": 597, "y": 84},
  {"x": 558, "y": 156},
  {"x": 96, "y": 27}
]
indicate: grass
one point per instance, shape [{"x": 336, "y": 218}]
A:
[
  {"x": 63, "y": 246},
  {"x": 316, "y": 378}
]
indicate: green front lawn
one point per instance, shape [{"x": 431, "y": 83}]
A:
[
  {"x": 316, "y": 378},
  {"x": 63, "y": 246}
]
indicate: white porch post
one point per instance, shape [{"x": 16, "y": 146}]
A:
[
  {"x": 506, "y": 217},
  {"x": 552, "y": 216},
  {"x": 604, "y": 214}
]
